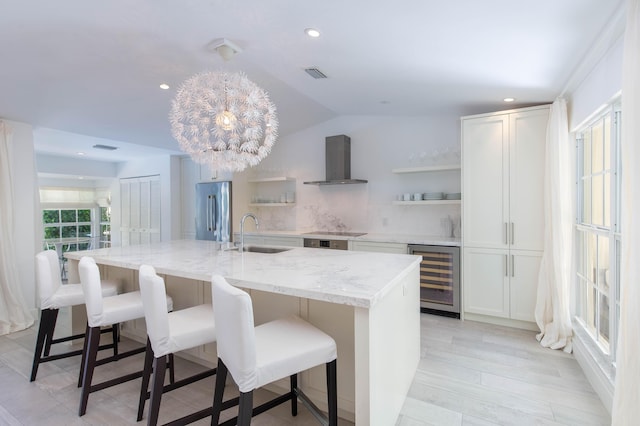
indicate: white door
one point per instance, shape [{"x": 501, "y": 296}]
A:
[
  {"x": 485, "y": 171},
  {"x": 526, "y": 197},
  {"x": 486, "y": 282},
  {"x": 140, "y": 212}
]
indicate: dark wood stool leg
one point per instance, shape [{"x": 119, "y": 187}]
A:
[
  {"x": 93, "y": 336},
  {"x": 51, "y": 328},
  {"x": 84, "y": 351},
  {"x": 221, "y": 378},
  {"x": 294, "y": 399},
  {"x": 42, "y": 334},
  {"x": 114, "y": 334},
  {"x": 146, "y": 375},
  {"x": 332, "y": 393},
  {"x": 159, "y": 370},
  {"x": 172, "y": 370},
  {"x": 245, "y": 408}
]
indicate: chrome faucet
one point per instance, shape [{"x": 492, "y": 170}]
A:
[{"x": 255, "y": 219}]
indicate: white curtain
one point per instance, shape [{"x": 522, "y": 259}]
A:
[
  {"x": 14, "y": 314},
  {"x": 552, "y": 307},
  {"x": 626, "y": 399}
]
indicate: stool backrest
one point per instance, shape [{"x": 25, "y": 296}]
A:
[
  {"x": 47, "y": 276},
  {"x": 90, "y": 280},
  {"x": 154, "y": 301},
  {"x": 235, "y": 334}
]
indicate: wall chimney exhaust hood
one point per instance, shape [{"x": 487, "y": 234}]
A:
[{"x": 337, "y": 162}]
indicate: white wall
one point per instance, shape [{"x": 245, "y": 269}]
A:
[
  {"x": 25, "y": 191},
  {"x": 599, "y": 87},
  {"x": 378, "y": 145}
]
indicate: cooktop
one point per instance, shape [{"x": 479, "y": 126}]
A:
[{"x": 337, "y": 233}]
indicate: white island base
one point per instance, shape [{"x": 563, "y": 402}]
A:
[{"x": 368, "y": 302}]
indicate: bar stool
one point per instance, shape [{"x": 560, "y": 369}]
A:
[
  {"x": 259, "y": 355},
  {"x": 104, "y": 312},
  {"x": 170, "y": 333},
  {"x": 53, "y": 296}
]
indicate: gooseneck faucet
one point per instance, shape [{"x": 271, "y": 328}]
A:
[{"x": 255, "y": 219}]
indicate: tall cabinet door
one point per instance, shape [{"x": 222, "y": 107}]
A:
[
  {"x": 526, "y": 180},
  {"x": 485, "y": 172}
]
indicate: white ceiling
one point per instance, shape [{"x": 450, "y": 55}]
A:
[{"x": 93, "y": 68}]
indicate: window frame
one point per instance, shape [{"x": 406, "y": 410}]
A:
[{"x": 612, "y": 231}]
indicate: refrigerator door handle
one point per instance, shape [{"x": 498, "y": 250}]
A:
[
  {"x": 214, "y": 213},
  {"x": 209, "y": 212}
]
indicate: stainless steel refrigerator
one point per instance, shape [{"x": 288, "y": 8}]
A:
[{"x": 213, "y": 211}]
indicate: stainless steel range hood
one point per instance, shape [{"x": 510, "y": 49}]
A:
[{"x": 337, "y": 162}]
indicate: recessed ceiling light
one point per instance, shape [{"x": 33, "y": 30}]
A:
[
  {"x": 312, "y": 32},
  {"x": 81, "y": 177},
  {"x": 80, "y": 153},
  {"x": 509, "y": 99},
  {"x": 164, "y": 86}
]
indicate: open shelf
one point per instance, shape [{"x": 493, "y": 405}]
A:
[
  {"x": 426, "y": 202},
  {"x": 427, "y": 169},
  {"x": 273, "y": 179},
  {"x": 271, "y": 204}
]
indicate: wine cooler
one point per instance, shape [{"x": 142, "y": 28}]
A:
[{"x": 439, "y": 279}]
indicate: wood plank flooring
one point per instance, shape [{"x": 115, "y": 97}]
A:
[{"x": 470, "y": 374}]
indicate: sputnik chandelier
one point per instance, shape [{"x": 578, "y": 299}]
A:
[{"x": 224, "y": 120}]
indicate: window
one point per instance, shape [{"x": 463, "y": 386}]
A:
[
  {"x": 68, "y": 223},
  {"x": 598, "y": 229},
  {"x": 105, "y": 227}
]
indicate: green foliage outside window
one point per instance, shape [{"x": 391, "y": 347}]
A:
[
  {"x": 50, "y": 216},
  {"x": 68, "y": 216}
]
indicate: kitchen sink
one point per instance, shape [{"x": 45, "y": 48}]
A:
[{"x": 269, "y": 250}]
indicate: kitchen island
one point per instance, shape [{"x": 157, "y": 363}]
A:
[{"x": 368, "y": 302}]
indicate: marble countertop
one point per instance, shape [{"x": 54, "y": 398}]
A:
[
  {"x": 337, "y": 276},
  {"x": 432, "y": 240}
]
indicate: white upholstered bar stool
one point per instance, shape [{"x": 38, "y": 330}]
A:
[
  {"x": 53, "y": 296},
  {"x": 259, "y": 355},
  {"x": 103, "y": 312},
  {"x": 170, "y": 332}
]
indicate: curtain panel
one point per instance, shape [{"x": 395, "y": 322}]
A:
[
  {"x": 552, "y": 312},
  {"x": 14, "y": 314}
]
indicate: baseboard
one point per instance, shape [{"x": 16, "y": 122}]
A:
[
  {"x": 523, "y": 325},
  {"x": 596, "y": 368}
]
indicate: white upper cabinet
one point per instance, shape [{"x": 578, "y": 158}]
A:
[{"x": 503, "y": 166}]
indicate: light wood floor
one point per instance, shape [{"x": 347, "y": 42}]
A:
[{"x": 469, "y": 374}]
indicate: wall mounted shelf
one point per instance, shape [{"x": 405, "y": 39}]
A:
[
  {"x": 425, "y": 202},
  {"x": 273, "y": 179},
  {"x": 271, "y": 204},
  {"x": 423, "y": 169}
]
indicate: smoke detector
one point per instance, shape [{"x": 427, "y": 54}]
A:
[{"x": 225, "y": 48}]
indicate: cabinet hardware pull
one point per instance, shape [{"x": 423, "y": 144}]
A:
[
  {"x": 512, "y": 234},
  {"x": 506, "y": 233},
  {"x": 513, "y": 267},
  {"x": 506, "y": 266}
]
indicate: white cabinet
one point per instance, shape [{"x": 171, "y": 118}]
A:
[
  {"x": 453, "y": 168},
  {"x": 502, "y": 178},
  {"x": 276, "y": 191}
]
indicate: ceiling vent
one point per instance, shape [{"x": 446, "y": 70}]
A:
[
  {"x": 315, "y": 73},
  {"x": 105, "y": 147}
]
